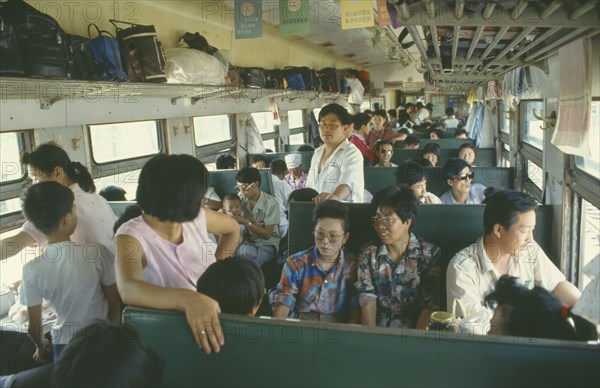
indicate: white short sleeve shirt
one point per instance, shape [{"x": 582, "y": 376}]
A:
[
  {"x": 471, "y": 275},
  {"x": 344, "y": 166}
]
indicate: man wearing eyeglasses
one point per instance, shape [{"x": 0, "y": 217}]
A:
[
  {"x": 460, "y": 177},
  {"x": 336, "y": 170},
  {"x": 260, "y": 214}
]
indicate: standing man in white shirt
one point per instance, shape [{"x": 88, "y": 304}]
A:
[
  {"x": 507, "y": 248},
  {"x": 357, "y": 90},
  {"x": 336, "y": 170}
]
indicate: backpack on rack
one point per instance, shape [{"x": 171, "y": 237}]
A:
[
  {"x": 253, "y": 77},
  {"x": 108, "y": 65},
  {"x": 142, "y": 52},
  {"x": 33, "y": 43},
  {"x": 274, "y": 79},
  {"x": 81, "y": 59},
  {"x": 329, "y": 80},
  {"x": 299, "y": 78}
]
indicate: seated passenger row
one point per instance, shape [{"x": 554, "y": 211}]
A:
[{"x": 161, "y": 254}]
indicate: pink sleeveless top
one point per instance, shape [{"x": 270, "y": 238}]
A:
[{"x": 173, "y": 265}]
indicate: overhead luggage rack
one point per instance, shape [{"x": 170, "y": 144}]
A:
[{"x": 50, "y": 91}]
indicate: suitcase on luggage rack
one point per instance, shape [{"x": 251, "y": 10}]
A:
[{"x": 252, "y": 77}]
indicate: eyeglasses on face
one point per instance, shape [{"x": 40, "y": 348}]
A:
[
  {"x": 464, "y": 177},
  {"x": 385, "y": 221},
  {"x": 325, "y": 125},
  {"x": 332, "y": 237},
  {"x": 243, "y": 188}
]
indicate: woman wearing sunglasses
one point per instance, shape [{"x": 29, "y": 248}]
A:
[
  {"x": 318, "y": 284},
  {"x": 459, "y": 175},
  {"x": 399, "y": 278}
]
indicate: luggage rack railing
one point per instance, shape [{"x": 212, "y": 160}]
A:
[{"x": 50, "y": 91}]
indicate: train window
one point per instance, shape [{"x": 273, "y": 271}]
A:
[
  {"x": 128, "y": 181},
  {"x": 591, "y": 164},
  {"x": 590, "y": 239},
  {"x": 531, "y": 132},
  {"x": 270, "y": 144},
  {"x": 11, "y": 147},
  {"x": 535, "y": 175},
  {"x": 12, "y": 205},
  {"x": 296, "y": 124},
  {"x": 121, "y": 141},
  {"x": 316, "y": 112},
  {"x": 265, "y": 122},
  {"x": 211, "y": 129}
]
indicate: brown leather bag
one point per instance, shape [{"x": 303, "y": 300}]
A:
[{"x": 142, "y": 52}]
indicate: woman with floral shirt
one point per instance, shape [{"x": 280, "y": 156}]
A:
[
  {"x": 318, "y": 283},
  {"x": 398, "y": 279}
]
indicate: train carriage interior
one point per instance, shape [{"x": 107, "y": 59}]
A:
[{"x": 500, "y": 65}]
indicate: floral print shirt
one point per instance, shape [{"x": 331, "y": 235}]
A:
[
  {"x": 296, "y": 183},
  {"x": 404, "y": 290}
]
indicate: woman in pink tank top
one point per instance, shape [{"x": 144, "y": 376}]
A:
[{"x": 161, "y": 254}]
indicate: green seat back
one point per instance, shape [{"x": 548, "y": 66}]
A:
[
  {"x": 443, "y": 143},
  {"x": 451, "y": 227},
  {"x": 294, "y": 147},
  {"x": 486, "y": 157},
  {"x": 306, "y": 158},
  {"x": 223, "y": 181},
  {"x": 501, "y": 177},
  {"x": 272, "y": 353}
]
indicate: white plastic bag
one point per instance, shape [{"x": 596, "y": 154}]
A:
[{"x": 189, "y": 66}]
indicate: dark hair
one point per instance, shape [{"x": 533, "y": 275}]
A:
[
  {"x": 392, "y": 113},
  {"x": 429, "y": 106},
  {"x": 278, "y": 166},
  {"x": 449, "y": 111},
  {"x": 412, "y": 139},
  {"x": 306, "y": 147},
  {"x": 431, "y": 148},
  {"x": 468, "y": 145},
  {"x": 536, "y": 312},
  {"x": 422, "y": 162},
  {"x": 48, "y": 156},
  {"x": 226, "y": 162},
  {"x": 368, "y": 112},
  {"x": 419, "y": 105},
  {"x": 438, "y": 132},
  {"x": 404, "y": 131},
  {"x": 409, "y": 173},
  {"x": 453, "y": 167},
  {"x": 231, "y": 197},
  {"x": 237, "y": 283},
  {"x": 45, "y": 204},
  {"x": 383, "y": 142},
  {"x": 257, "y": 158},
  {"x": 113, "y": 193},
  {"x": 360, "y": 119},
  {"x": 305, "y": 194},
  {"x": 503, "y": 206},
  {"x": 408, "y": 105},
  {"x": 460, "y": 132},
  {"x": 399, "y": 198},
  {"x": 333, "y": 209},
  {"x": 171, "y": 187},
  {"x": 380, "y": 113},
  {"x": 248, "y": 175},
  {"x": 338, "y": 110},
  {"x": 131, "y": 212},
  {"x": 107, "y": 355}
]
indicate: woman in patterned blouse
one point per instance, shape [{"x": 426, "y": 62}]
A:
[
  {"x": 398, "y": 279},
  {"x": 318, "y": 283}
]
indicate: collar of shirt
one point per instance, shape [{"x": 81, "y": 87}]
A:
[
  {"x": 314, "y": 261},
  {"x": 413, "y": 250},
  {"x": 485, "y": 264}
]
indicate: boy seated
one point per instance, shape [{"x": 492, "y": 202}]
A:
[
  {"x": 77, "y": 279},
  {"x": 236, "y": 283}
]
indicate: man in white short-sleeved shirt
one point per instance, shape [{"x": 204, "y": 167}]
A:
[
  {"x": 507, "y": 248},
  {"x": 336, "y": 170}
]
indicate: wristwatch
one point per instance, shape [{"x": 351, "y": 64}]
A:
[{"x": 249, "y": 223}]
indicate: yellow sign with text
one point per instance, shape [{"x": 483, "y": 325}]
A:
[{"x": 356, "y": 14}]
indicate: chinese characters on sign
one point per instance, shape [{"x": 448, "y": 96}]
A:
[{"x": 248, "y": 19}]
